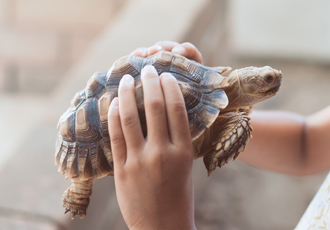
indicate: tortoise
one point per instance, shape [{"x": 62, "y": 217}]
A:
[{"x": 217, "y": 109}]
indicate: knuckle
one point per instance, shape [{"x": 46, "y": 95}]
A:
[
  {"x": 128, "y": 120},
  {"x": 135, "y": 165},
  {"x": 112, "y": 117},
  {"x": 159, "y": 158},
  {"x": 178, "y": 107},
  {"x": 124, "y": 90},
  {"x": 149, "y": 74},
  {"x": 156, "y": 106},
  {"x": 116, "y": 139}
]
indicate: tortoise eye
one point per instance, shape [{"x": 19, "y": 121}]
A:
[{"x": 269, "y": 78}]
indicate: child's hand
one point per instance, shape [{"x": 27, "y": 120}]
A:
[
  {"x": 186, "y": 49},
  {"x": 152, "y": 176}
]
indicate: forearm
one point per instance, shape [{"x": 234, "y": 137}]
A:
[
  {"x": 290, "y": 143},
  {"x": 317, "y": 157},
  {"x": 277, "y": 142}
]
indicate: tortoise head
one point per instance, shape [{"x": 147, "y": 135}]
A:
[{"x": 250, "y": 85}]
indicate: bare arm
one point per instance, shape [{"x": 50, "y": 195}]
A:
[
  {"x": 282, "y": 141},
  {"x": 289, "y": 143}
]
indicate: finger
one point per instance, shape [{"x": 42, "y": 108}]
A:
[
  {"x": 118, "y": 146},
  {"x": 189, "y": 51},
  {"x": 154, "y": 49},
  {"x": 167, "y": 45},
  {"x": 177, "y": 118},
  {"x": 140, "y": 52},
  {"x": 154, "y": 105},
  {"x": 128, "y": 113},
  {"x": 163, "y": 45}
]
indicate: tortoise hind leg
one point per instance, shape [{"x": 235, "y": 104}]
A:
[
  {"x": 230, "y": 134},
  {"x": 76, "y": 197}
]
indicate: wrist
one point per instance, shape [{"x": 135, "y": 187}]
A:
[{"x": 165, "y": 226}]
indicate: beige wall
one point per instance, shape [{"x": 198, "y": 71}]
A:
[
  {"x": 41, "y": 39},
  {"x": 298, "y": 29}
]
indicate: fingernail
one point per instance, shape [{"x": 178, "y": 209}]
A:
[
  {"x": 179, "y": 50},
  {"x": 167, "y": 75},
  {"x": 143, "y": 52},
  {"x": 154, "y": 49},
  {"x": 148, "y": 68},
  {"x": 113, "y": 105},
  {"x": 127, "y": 80},
  {"x": 158, "y": 47}
]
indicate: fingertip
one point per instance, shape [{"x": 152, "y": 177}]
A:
[
  {"x": 179, "y": 50},
  {"x": 148, "y": 69},
  {"x": 167, "y": 45},
  {"x": 140, "y": 52},
  {"x": 189, "y": 51},
  {"x": 154, "y": 49},
  {"x": 113, "y": 109},
  {"x": 167, "y": 75},
  {"x": 126, "y": 82}
]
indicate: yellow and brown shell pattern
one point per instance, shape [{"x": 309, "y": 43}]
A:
[{"x": 83, "y": 150}]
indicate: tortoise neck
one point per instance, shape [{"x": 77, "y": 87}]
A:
[{"x": 237, "y": 97}]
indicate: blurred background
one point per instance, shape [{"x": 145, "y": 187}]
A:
[{"x": 49, "y": 49}]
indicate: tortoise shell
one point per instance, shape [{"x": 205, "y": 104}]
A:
[
  {"x": 217, "y": 109},
  {"x": 83, "y": 148}
]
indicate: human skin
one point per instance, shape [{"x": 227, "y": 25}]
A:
[
  {"x": 290, "y": 143},
  {"x": 283, "y": 142},
  {"x": 153, "y": 176}
]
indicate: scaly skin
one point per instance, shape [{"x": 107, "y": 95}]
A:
[
  {"x": 76, "y": 197},
  {"x": 230, "y": 133}
]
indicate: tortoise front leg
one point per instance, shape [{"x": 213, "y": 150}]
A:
[
  {"x": 229, "y": 134},
  {"x": 76, "y": 197}
]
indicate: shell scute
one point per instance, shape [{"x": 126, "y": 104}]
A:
[
  {"x": 83, "y": 150},
  {"x": 212, "y": 81},
  {"x": 88, "y": 122},
  {"x": 105, "y": 145},
  {"x": 103, "y": 107},
  {"x": 66, "y": 125},
  {"x": 96, "y": 84},
  {"x": 217, "y": 99},
  {"x": 100, "y": 164},
  {"x": 79, "y": 98},
  {"x": 191, "y": 70},
  {"x": 72, "y": 163},
  {"x": 161, "y": 61},
  {"x": 125, "y": 65},
  {"x": 63, "y": 156}
]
